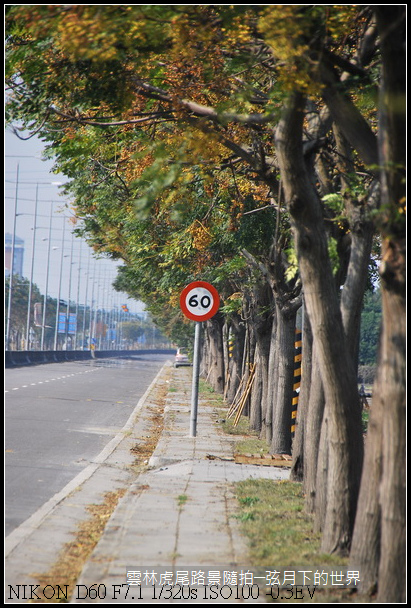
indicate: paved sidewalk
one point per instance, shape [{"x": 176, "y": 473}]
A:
[
  {"x": 175, "y": 518},
  {"x": 178, "y": 516}
]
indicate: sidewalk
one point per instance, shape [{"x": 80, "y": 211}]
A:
[{"x": 175, "y": 519}]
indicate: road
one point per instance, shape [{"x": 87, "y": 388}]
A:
[{"x": 58, "y": 417}]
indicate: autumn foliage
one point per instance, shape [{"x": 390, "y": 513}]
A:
[{"x": 260, "y": 148}]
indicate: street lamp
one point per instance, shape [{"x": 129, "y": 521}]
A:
[
  {"x": 85, "y": 300},
  {"x": 43, "y": 325},
  {"x": 31, "y": 272},
  {"x": 12, "y": 263},
  {"x": 78, "y": 294},
  {"x": 59, "y": 291},
  {"x": 69, "y": 293}
]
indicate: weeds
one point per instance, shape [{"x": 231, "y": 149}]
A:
[{"x": 182, "y": 499}]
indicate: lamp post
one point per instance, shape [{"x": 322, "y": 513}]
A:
[
  {"x": 85, "y": 301},
  {"x": 43, "y": 325},
  {"x": 12, "y": 264},
  {"x": 59, "y": 292},
  {"x": 97, "y": 302},
  {"x": 69, "y": 293},
  {"x": 78, "y": 294},
  {"x": 32, "y": 270},
  {"x": 91, "y": 325}
]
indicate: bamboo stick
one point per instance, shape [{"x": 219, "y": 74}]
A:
[{"x": 245, "y": 395}]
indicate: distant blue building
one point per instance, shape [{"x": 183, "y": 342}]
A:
[{"x": 18, "y": 254}]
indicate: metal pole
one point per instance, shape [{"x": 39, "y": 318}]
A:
[
  {"x": 196, "y": 373},
  {"x": 43, "y": 326},
  {"x": 78, "y": 293},
  {"x": 85, "y": 300},
  {"x": 12, "y": 264},
  {"x": 31, "y": 273},
  {"x": 91, "y": 326},
  {"x": 69, "y": 293},
  {"x": 97, "y": 302},
  {"x": 59, "y": 294}
]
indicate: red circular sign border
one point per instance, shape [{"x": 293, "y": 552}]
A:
[{"x": 213, "y": 309}]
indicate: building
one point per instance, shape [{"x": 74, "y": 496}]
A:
[{"x": 18, "y": 254}]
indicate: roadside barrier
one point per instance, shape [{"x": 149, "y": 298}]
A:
[
  {"x": 16, "y": 358},
  {"x": 297, "y": 379}
]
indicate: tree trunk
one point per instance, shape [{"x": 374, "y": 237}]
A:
[
  {"x": 392, "y": 570},
  {"x": 337, "y": 372},
  {"x": 365, "y": 548},
  {"x": 270, "y": 389},
  {"x": 378, "y": 549},
  {"x": 235, "y": 361},
  {"x": 283, "y": 383},
  {"x": 257, "y": 391},
  {"x": 215, "y": 371},
  {"x": 261, "y": 321},
  {"x": 386, "y": 445},
  {"x": 302, "y": 436},
  {"x": 391, "y": 22},
  {"x": 360, "y": 237},
  {"x": 322, "y": 476},
  {"x": 313, "y": 425}
]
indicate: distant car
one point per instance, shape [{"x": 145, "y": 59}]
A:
[{"x": 181, "y": 358}]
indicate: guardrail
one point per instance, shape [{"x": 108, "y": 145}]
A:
[{"x": 16, "y": 358}]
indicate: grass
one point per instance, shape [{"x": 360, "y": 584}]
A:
[
  {"x": 280, "y": 536},
  {"x": 68, "y": 567},
  {"x": 250, "y": 443},
  {"x": 182, "y": 499},
  {"x": 272, "y": 517},
  {"x": 281, "y": 533},
  {"x": 365, "y": 418}
]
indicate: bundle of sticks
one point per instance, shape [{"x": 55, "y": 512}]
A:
[{"x": 242, "y": 394}]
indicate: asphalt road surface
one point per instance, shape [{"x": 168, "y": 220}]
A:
[{"x": 58, "y": 417}]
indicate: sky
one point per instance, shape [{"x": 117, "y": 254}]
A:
[{"x": 67, "y": 267}]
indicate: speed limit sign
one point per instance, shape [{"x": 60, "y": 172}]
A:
[{"x": 199, "y": 301}]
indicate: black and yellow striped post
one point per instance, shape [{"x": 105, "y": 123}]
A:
[
  {"x": 230, "y": 346},
  {"x": 297, "y": 379}
]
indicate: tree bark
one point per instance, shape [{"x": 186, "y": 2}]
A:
[
  {"x": 361, "y": 233},
  {"x": 302, "y": 436},
  {"x": 283, "y": 382},
  {"x": 365, "y": 548},
  {"x": 215, "y": 369},
  {"x": 278, "y": 398},
  {"x": 257, "y": 391},
  {"x": 322, "y": 476},
  {"x": 386, "y": 447},
  {"x": 313, "y": 425},
  {"x": 270, "y": 389},
  {"x": 392, "y": 568},
  {"x": 235, "y": 361},
  {"x": 337, "y": 371},
  {"x": 261, "y": 321}
]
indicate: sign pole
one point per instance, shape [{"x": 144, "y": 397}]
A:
[
  {"x": 199, "y": 301},
  {"x": 196, "y": 374}
]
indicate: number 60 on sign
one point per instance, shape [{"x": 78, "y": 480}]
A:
[{"x": 199, "y": 301}]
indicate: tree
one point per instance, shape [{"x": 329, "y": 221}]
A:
[
  {"x": 337, "y": 371},
  {"x": 378, "y": 544},
  {"x": 205, "y": 88},
  {"x": 18, "y": 308}
]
